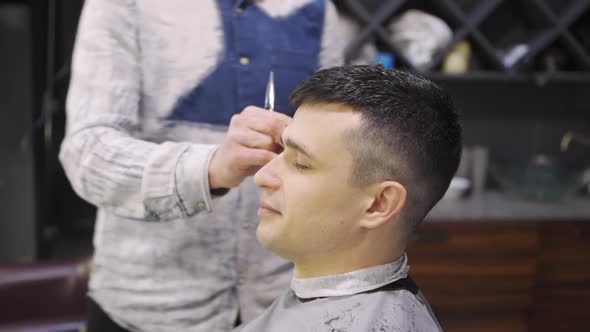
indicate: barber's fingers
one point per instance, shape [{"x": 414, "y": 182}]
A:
[
  {"x": 258, "y": 112},
  {"x": 263, "y": 121},
  {"x": 250, "y": 160},
  {"x": 253, "y": 139}
]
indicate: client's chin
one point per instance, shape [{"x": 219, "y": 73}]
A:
[{"x": 270, "y": 242}]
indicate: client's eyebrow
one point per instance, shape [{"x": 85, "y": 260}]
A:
[{"x": 287, "y": 141}]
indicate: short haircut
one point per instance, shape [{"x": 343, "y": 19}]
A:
[{"x": 409, "y": 131}]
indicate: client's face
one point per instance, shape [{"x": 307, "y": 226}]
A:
[{"x": 308, "y": 206}]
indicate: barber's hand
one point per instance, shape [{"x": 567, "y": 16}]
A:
[{"x": 252, "y": 141}]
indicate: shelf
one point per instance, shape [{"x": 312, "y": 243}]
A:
[
  {"x": 496, "y": 206},
  {"x": 506, "y": 36},
  {"x": 540, "y": 78}
]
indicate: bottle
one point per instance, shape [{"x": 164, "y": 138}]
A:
[{"x": 457, "y": 61}]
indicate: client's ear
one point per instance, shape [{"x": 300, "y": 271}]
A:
[{"x": 388, "y": 199}]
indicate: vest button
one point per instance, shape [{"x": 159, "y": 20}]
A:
[{"x": 244, "y": 61}]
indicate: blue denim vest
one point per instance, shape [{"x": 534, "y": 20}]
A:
[{"x": 255, "y": 43}]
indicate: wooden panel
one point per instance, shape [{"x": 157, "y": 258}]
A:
[
  {"x": 476, "y": 276},
  {"x": 562, "y": 291},
  {"x": 503, "y": 323},
  {"x": 474, "y": 238}
]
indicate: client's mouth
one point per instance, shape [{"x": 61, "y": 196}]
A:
[{"x": 266, "y": 209}]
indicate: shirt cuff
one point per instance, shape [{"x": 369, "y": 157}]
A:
[{"x": 192, "y": 179}]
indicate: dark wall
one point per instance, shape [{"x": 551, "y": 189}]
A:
[
  {"x": 41, "y": 210},
  {"x": 17, "y": 186}
]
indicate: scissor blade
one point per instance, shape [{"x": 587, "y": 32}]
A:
[{"x": 269, "y": 100}]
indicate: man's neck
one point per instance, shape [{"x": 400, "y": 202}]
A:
[{"x": 338, "y": 264}]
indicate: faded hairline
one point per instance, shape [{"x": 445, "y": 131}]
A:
[{"x": 374, "y": 161}]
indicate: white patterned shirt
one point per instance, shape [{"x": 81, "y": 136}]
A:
[{"x": 154, "y": 84}]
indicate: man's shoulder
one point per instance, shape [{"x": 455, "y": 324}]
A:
[
  {"x": 383, "y": 310},
  {"x": 411, "y": 311},
  {"x": 389, "y": 310},
  {"x": 394, "y": 310}
]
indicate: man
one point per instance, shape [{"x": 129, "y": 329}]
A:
[
  {"x": 155, "y": 137},
  {"x": 367, "y": 155}
]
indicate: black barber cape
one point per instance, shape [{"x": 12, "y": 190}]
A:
[{"x": 397, "y": 306}]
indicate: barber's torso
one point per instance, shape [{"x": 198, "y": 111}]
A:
[
  {"x": 201, "y": 62},
  {"x": 204, "y": 61}
]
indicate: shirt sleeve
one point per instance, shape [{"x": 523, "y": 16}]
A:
[
  {"x": 339, "y": 31},
  {"x": 105, "y": 161},
  {"x": 334, "y": 39}
]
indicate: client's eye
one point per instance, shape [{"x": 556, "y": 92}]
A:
[{"x": 301, "y": 167}]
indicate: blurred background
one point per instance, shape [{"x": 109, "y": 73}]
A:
[{"x": 508, "y": 247}]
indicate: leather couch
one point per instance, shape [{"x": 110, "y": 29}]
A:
[{"x": 45, "y": 296}]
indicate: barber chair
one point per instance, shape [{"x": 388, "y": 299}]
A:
[{"x": 45, "y": 296}]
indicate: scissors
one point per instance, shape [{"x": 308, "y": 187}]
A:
[{"x": 269, "y": 99}]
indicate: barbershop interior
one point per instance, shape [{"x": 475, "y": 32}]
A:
[{"x": 506, "y": 248}]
